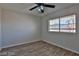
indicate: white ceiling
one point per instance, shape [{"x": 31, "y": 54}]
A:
[{"x": 24, "y": 7}]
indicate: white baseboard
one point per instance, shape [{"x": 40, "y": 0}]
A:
[
  {"x": 19, "y": 44},
  {"x": 61, "y": 46}
]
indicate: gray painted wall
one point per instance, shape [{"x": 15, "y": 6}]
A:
[
  {"x": 0, "y": 27},
  {"x": 19, "y": 28},
  {"x": 67, "y": 40}
]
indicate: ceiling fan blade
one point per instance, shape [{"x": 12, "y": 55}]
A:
[
  {"x": 33, "y": 8},
  {"x": 50, "y": 6}
]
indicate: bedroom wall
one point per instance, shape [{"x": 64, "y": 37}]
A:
[
  {"x": 67, "y": 40},
  {"x": 19, "y": 28},
  {"x": 0, "y": 29}
]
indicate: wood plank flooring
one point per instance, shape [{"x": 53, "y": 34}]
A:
[{"x": 38, "y": 48}]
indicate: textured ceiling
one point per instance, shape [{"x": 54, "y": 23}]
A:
[{"x": 24, "y": 7}]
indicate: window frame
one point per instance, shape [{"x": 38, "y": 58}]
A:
[{"x": 74, "y": 23}]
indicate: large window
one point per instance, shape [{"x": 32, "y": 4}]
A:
[
  {"x": 63, "y": 24},
  {"x": 54, "y": 25}
]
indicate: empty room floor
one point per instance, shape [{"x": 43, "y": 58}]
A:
[{"x": 38, "y": 48}]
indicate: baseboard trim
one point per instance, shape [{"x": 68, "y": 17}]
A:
[
  {"x": 61, "y": 46},
  {"x": 19, "y": 44}
]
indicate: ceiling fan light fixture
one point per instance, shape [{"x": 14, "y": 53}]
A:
[{"x": 41, "y": 9}]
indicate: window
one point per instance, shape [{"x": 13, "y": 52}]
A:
[
  {"x": 68, "y": 24},
  {"x": 63, "y": 24},
  {"x": 54, "y": 25}
]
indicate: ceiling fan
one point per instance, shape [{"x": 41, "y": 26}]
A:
[{"x": 40, "y": 7}]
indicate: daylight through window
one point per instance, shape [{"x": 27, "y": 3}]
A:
[{"x": 63, "y": 24}]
